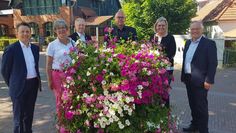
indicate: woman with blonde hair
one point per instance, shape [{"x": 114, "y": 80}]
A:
[{"x": 167, "y": 42}]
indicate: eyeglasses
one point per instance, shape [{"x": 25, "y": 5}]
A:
[{"x": 120, "y": 17}]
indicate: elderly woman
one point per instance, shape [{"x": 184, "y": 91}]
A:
[
  {"x": 57, "y": 56},
  {"x": 167, "y": 42}
]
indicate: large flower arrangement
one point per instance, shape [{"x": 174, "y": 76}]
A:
[{"x": 116, "y": 88}]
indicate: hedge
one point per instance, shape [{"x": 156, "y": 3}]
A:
[{"x": 6, "y": 42}]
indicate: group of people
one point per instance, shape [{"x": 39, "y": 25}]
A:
[{"x": 20, "y": 68}]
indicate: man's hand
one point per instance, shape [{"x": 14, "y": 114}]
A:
[{"x": 207, "y": 86}]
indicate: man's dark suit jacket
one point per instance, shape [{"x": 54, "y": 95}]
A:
[
  {"x": 14, "y": 69},
  {"x": 75, "y": 36},
  {"x": 204, "y": 62}
]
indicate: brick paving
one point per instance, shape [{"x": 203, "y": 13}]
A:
[{"x": 222, "y": 104}]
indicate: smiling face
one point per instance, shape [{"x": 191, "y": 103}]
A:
[
  {"x": 120, "y": 19},
  {"x": 24, "y": 34},
  {"x": 196, "y": 30},
  {"x": 61, "y": 32},
  {"x": 161, "y": 27},
  {"x": 80, "y": 26}
]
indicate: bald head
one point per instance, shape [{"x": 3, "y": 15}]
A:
[
  {"x": 196, "y": 30},
  {"x": 120, "y": 19}
]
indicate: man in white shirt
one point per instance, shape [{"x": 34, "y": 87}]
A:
[
  {"x": 198, "y": 73},
  {"x": 21, "y": 73}
]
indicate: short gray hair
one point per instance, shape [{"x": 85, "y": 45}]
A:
[
  {"x": 59, "y": 23},
  {"x": 120, "y": 11},
  {"x": 198, "y": 22},
  {"x": 161, "y": 19},
  {"x": 79, "y": 20}
]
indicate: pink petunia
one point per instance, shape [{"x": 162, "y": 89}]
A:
[
  {"x": 145, "y": 83},
  {"x": 69, "y": 115}
]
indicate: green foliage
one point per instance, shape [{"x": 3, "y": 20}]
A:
[
  {"x": 5, "y": 42},
  {"x": 142, "y": 14},
  {"x": 49, "y": 39}
]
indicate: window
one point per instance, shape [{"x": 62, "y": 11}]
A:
[
  {"x": 40, "y": 7},
  {"x": 34, "y": 29},
  {"x": 3, "y": 30},
  {"x": 48, "y": 29}
]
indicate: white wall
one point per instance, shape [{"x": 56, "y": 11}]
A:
[
  {"x": 227, "y": 25},
  {"x": 180, "y": 42}
]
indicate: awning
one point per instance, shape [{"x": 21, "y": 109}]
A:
[
  {"x": 93, "y": 21},
  {"x": 230, "y": 34},
  {"x": 6, "y": 12},
  {"x": 88, "y": 12}
]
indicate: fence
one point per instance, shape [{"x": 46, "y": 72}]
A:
[{"x": 229, "y": 57}]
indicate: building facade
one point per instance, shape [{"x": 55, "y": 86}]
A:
[{"x": 41, "y": 14}]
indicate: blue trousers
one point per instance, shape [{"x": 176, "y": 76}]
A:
[{"x": 23, "y": 107}]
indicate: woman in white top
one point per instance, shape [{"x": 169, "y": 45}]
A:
[{"x": 57, "y": 57}]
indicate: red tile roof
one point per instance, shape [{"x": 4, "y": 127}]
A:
[{"x": 217, "y": 10}]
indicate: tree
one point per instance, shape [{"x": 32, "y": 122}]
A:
[{"x": 142, "y": 14}]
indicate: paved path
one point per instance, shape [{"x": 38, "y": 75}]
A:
[{"x": 222, "y": 104}]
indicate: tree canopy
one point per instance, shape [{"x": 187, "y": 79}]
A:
[{"x": 142, "y": 14}]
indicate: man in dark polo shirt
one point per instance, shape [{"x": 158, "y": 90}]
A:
[{"x": 121, "y": 31}]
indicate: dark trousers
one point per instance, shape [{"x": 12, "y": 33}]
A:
[
  {"x": 23, "y": 107},
  {"x": 197, "y": 97}
]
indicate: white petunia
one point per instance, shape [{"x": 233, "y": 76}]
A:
[
  {"x": 149, "y": 73},
  {"x": 73, "y": 61},
  {"x": 88, "y": 73},
  {"x": 140, "y": 87},
  {"x": 111, "y": 73},
  {"x": 121, "y": 126},
  {"x": 127, "y": 122},
  {"x": 85, "y": 95},
  {"x": 104, "y": 82},
  {"x": 111, "y": 120}
]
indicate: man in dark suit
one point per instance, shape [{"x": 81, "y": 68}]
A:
[
  {"x": 80, "y": 25},
  {"x": 21, "y": 74},
  {"x": 198, "y": 72}
]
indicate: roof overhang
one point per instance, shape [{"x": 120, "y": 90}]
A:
[
  {"x": 97, "y": 20},
  {"x": 6, "y": 12},
  {"x": 230, "y": 34}
]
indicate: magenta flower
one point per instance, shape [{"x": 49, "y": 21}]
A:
[
  {"x": 63, "y": 130},
  {"x": 69, "y": 115},
  {"x": 99, "y": 78},
  {"x": 72, "y": 71}
]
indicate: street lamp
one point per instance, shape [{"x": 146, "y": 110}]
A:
[{"x": 72, "y": 4}]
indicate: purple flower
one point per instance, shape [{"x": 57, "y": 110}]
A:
[
  {"x": 99, "y": 78},
  {"x": 69, "y": 115}
]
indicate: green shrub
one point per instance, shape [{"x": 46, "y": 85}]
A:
[
  {"x": 49, "y": 39},
  {"x": 5, "y": 42}
]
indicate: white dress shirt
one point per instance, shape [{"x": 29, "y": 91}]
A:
[
  {"x": 29, "y": 60},
  {"x": 82, "y": 37},
  {"x": 189, "y": 55}
]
